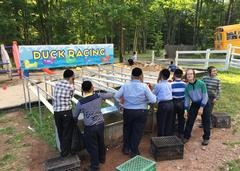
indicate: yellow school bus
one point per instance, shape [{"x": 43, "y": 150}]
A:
[{"x": 225, "y": 35}]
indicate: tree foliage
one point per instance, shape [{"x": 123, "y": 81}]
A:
[{"x": 129, "y": 24}]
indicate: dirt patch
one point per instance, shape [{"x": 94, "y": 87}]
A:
[
  {"x": 20, "y": 149},
  {"x": 29, "y": 152},
  {"x": 149, "y": 66},
  {"x": 39, "y": 154},
  {"x": 196, "y": 157},
  {"x": 145, "y": 66}
]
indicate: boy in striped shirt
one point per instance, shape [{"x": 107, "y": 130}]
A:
[
  {"x": 178, "y": 88},
  {"x": 213, "y": 85}
]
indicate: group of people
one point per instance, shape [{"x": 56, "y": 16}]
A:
[{"x": 176, "y": 98}]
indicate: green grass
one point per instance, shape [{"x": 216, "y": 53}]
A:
[
  {"x": 231, "y": 166},
  {"x": 234, "y": 165},
  {"x": 7, "y": 158},
  {"x": 7, "y": 130},
  {"x": 229, "y": 103},
  {"x": 45, "y": 130},
  {"x": 232, "y": 144},
  {"x": 16, "y": 140}
]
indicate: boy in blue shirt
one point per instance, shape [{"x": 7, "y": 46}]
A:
[
  {"x": 137, "y": 96},
  {"x": 178, "y": 89},
  {"x": 93, "y": 120},
  {"x": 163, "y": 91}
]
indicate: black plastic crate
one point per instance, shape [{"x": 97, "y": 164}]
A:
[
  {"x": 166, "y": 148},
  {"x": 71, "y": 163},
  {"x": 221, "y": 120}
]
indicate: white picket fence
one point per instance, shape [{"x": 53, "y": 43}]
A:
[
  {"x": 225, "y": 59},
  {"x": 235, "y": 57}
]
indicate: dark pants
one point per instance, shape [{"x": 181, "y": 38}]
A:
[
  {"x": 94, "y": 142},
  {"x": 192, "y": 114},
  {"x": 64, "y": 123},
  {"x": 165, "y": 118},
  {"x": 134, "y": 121},
  {"x": 211, "y": 105},
  {"x": 179, "y": 112}
]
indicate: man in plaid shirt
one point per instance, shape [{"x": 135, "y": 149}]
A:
[{"x": 62, "y": 107}]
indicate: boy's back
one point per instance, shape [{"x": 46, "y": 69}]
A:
[{"x": 90, "y": 106}]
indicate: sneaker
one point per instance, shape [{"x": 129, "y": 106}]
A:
[
  {"x": 205, "y": 142},
  {"x": 185, "y": 140}
]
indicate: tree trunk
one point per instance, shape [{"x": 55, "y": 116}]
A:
[
  {"x": 196, "y": 23},
  {"x": 229, "y": 12},
  {"x": 135, "y": 39},
  {"x": 144, "y": 40},
  {"x": 25, "y": 25},
  {"x": 171, "y": 22},
  {"x": 121, "y": 48}
]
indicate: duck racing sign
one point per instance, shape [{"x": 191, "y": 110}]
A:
[{"x": 54, "y": 56}]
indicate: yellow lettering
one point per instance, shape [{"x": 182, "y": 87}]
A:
[
  {"x": 45, "y": 54},
  {"x": 61, "y": 54},
  {"x": 71, "y": 53},
  {"x": 79, "y": 53},
  {"x": 53, "y": 54},
  {"x": 85, "y": 52},
  {"x": 36, "y": 55},
  {"x": 102, "y": 51},
  {"x": 95, "y": 52}
]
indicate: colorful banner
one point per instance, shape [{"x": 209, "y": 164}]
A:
[{"x": 53, "y": 56}]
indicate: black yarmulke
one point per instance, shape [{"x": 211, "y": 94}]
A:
[
  {"x": 68, "y": 73},
  {"x": 178, "y": 72},
  {"x": 136, "y": 72}
]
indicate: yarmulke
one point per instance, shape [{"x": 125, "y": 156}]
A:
[
  {"x": 136, "y": 72},
  {"x": 68, "y": 73}
]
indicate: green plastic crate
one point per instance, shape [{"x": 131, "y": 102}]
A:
[{"x": 138, "y": 163}]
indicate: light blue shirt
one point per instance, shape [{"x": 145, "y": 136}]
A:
[
  {"x": 136, "y": 95},
  {"x": 163, "y": 91}
]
